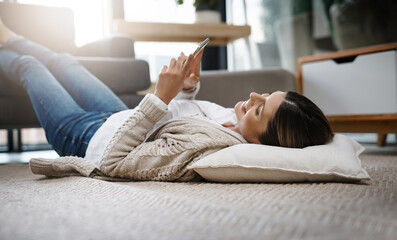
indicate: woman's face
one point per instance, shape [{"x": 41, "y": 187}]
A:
[{"x": 254, "y": 114}]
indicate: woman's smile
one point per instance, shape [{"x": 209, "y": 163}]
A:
[{"x": 244, "y": 107}]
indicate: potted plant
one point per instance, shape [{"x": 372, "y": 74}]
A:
[{"x": 206, "y": 10}]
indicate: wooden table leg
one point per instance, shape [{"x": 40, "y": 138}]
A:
[{"x": 382, "y": 139}]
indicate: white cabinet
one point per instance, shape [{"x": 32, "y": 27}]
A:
[
  {"x": 364, "y": 84},
  {"x": 356, "y": 88}
]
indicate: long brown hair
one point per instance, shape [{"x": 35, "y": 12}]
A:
[{"x": 298, "y": 123}]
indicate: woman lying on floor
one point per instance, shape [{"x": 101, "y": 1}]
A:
[{"x": 99, "y": 136}]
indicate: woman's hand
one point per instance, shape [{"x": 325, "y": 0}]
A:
[
  {"x": 194, "y": 73},
  {"x": 172, "y": 78}
]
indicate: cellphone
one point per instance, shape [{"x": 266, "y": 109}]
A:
[{"x": 201, "y": 46}]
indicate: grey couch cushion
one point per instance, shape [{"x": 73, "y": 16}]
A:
[
  {"x": 122, "y": 75},
  {"x": 227, "y": 88}
]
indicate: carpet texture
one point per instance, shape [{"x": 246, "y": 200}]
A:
[{"x": 34, "y": 207}]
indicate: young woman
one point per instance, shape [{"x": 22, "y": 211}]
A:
[{"x": 92, "y": 128}]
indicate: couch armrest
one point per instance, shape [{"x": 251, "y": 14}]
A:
[
  {"x": 227, "y": 88},
  {"x": 114, "y": 46},
  {"x": 122, "y": 75}
]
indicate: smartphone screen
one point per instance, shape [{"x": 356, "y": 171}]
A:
[{"x": 201, "y": 46}]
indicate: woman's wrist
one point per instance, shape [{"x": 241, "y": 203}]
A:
[
  {"x": 163, "y": 98},
  {"x": 192, "y": 89}
]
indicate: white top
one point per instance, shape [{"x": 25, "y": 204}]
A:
[{"x": 203, "y": 110}]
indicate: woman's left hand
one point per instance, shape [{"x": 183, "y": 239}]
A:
[
  {"x": 193, "y": 73},
  {"x": 172, "y": 78}
]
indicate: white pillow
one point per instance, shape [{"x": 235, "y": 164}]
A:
[{"x": 336, "y": 161}]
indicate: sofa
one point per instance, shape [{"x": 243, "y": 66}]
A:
[
  {"x": 111, "y": 59},
  {"x": 226, "y": 88}
]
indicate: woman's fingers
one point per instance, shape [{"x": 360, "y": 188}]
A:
[
  {"x": 194, "y": 78},
  {"x": 182, "y": 64},
  {"x": 164, "y": 69},
  {"x": 172, "y": 63},
  {"x": 188, "y": 61},
  {"x": 182, "y": 60}
]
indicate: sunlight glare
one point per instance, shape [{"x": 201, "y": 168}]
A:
[{"x": 88, "y": 17}]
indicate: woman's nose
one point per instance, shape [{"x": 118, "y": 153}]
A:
[{"x": 256, "y": 96}]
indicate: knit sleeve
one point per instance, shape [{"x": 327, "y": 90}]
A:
[
  {"x": 166, "y": 158},
  {"x": 61, "y": 167}
]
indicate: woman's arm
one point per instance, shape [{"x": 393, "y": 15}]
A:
[{"x": 128, "y": 156}]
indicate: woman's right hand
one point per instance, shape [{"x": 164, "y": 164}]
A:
[{"x": 172, "y": 78}]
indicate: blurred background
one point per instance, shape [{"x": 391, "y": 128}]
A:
[{"x": 281, "y": 31}]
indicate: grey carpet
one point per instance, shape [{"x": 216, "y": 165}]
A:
[{"x": 34, "y": 207}]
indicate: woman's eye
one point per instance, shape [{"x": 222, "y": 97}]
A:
[{"x": 257, "y": 110}]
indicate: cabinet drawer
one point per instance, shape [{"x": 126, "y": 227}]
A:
[{"x": 365, "y": 84}]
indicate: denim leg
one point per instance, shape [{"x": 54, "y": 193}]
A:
[
  {"x": 68, "y": 127},
  {"x": 86, "y": 89},
  {"x": 27, "y": 47},
  {"x": 48, "y": 97}
]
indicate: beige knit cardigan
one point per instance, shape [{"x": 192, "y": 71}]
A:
[{"x": 165, "y": 156}]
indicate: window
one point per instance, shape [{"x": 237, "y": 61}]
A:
[
  {"x": 159, "y": 11},
  {"x": 90, "y": 17},
  {"x": 158, "y": 54}
]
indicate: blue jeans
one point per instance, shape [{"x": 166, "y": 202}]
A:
[{"x": 70, "y": 102}]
